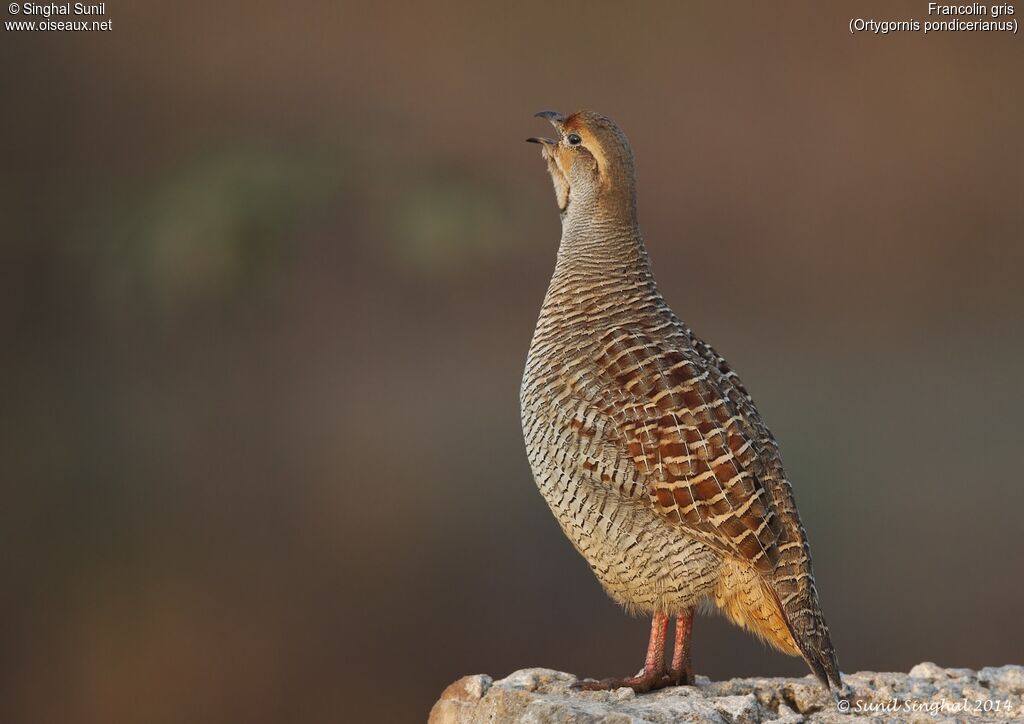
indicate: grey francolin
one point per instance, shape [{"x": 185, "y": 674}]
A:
[{"x": 644, "y": 442}]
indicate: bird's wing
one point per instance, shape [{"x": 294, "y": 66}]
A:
[
  {"x": 696, "y": 441},
  {"x": 704, "y": 460}
]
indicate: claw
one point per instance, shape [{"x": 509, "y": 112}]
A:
[
  {"x": 681, "y": 678},
  {"x": 640, "y": 684}
]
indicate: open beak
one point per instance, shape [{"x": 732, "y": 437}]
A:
[{"x": 556, "y": 119}]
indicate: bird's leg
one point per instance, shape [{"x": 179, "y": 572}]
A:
[
  {"x": 681, "y": 673},
  {"x": 653, "y": 676}
]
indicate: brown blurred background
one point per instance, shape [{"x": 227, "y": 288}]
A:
[{"x": 268, "y": 276}]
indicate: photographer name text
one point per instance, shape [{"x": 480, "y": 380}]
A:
[
  {"x": 52, "y": 9},
  {"x": 75, "y": 17}
]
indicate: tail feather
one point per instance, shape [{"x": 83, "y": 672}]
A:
[
  {"x": 796, "y": 628},
  {"x": 807, "y": 626}
]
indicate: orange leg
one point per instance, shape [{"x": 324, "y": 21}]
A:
[
  {"x": 681, "y": 672},
  {"x": 653, "y": 676}
]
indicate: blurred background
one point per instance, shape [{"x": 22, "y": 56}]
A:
[{"x": 269, "y": 272}]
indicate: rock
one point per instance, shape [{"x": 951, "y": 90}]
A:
[
  {"x": 787, "y": 716},
  {"x": 1008, "y": 678},
  {"x": 929, "y": 693}
]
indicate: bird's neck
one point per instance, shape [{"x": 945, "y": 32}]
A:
[
  {"x": 602, "y": 277},
  {"x": 605, "y": 245}
]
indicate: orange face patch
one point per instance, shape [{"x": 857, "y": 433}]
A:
[
  {"x": 558, "y": 176},
  {"x": 564, "y": 157},
  {"x": 576, "y": 124}
]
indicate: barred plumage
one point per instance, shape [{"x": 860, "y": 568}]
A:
[{"x": 642, "y": 439}]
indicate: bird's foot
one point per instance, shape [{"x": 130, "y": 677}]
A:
[{"x": 642, "y": 682}]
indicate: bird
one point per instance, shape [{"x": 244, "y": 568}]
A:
[{"x": 645, "y": 443}]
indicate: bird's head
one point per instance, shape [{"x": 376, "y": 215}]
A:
[{"x": 591, "y": 165}]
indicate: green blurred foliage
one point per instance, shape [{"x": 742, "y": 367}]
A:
[
  {"x": 448, "y": 223},
  {"x": 224, "y": 220}
]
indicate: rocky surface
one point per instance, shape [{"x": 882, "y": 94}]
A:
[{"x": 929, "y": 693}]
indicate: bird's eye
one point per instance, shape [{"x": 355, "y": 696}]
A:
[{"x": 574, "y": 139}]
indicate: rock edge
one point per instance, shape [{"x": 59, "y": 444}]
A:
[{"x": 928, "y": 693}]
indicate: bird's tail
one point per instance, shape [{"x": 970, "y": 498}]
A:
[
  {"x": 796, "y": 627},
  {"x": 797, "y": 599},
  {"x": 807, "y": 626}
]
